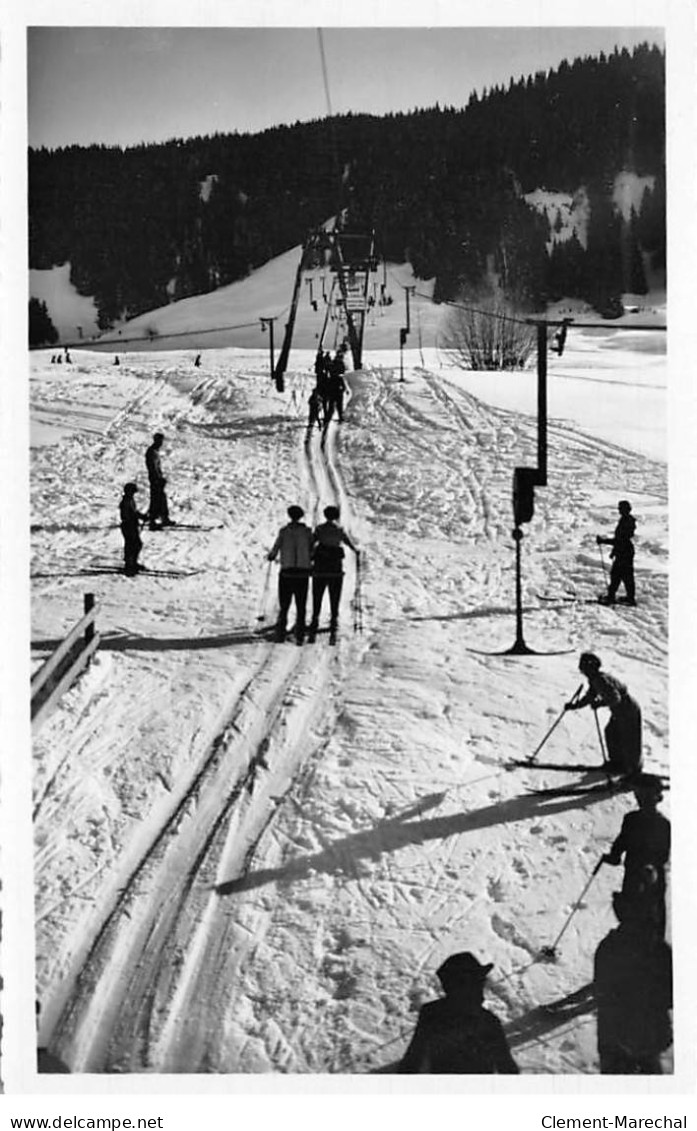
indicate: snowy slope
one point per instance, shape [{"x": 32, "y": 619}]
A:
[{"x": 252, "y": 857}]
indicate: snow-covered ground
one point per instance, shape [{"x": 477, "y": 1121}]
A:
[{"x": 252, "y": 857}]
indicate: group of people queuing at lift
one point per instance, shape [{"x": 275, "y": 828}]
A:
[
  {"x": 327, "y": 397},
  {"x": 305, "y": 555}
]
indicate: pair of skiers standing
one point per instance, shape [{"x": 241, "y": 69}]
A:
[{"x": 305, "y": 553}]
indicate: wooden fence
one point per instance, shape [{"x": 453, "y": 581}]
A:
[{"x": 62, "y": 668}]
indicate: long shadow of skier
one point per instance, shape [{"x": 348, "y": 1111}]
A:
[{"x": 398, "y": 832}]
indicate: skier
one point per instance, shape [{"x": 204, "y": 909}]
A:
[
  {"x": 197, "y": 360},
  {"x": 622, "y": 555},
  {"x": 323, "y": 363},
  {"x": 456, "y": 1034},
  {"x": 336, "y": 386},
  {"x": 159, "y": 509},
  {"x": 327, "y": 573},
  {"x": 644, "y": 841},
  {"x": 294, "y": 542},
  {"x": 632, "y": 982},
  {"x": 116, "y": 359},
  {"x": 314, "y": 414},
  {"x": 130, "y": 528},
  {"x": 623, "y": 731}
]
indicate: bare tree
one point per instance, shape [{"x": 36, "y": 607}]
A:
[{"x": 487, "y": 338}]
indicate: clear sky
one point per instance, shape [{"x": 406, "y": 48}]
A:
[{"x": 122, "y": 86}]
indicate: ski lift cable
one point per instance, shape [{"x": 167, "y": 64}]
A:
[
  {"x": 530, "y": 321},
  {"x": 86, "y": 343}
]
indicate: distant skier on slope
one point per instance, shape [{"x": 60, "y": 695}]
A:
[
  {"x": 159, "y": 508},
  {"x": 633, "y": 988},
  {"x": 456, "y": 1035},
  {"x": 623, "y": 731},
  {"x": 327, "y": 572},
  {"x": 336, "y": 386},
  {"x": 644, "y": 841},
  {"x": 314, "y": 409},
  {"x": 622, "y": 554},
  {"x": 294, "y": 543},
  {"x": 131, "y": 518}
]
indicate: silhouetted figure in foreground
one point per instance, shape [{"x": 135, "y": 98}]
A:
[
  {"x": 294, "y": 544},
  {"x": 622, "y": 554},
  {"x": 159, "y": 508},
  {"x": 633, "y": 983},
  {"x": 623, "y": 731},
  {"x": 644, "y": 841},
  {"x": 327, "y": 569},
  {"x": 456, "y": 1034},
  {"x": 130, "y": 528}
]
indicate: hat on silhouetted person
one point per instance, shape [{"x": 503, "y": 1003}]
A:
[{"x": 462, "y": 968}]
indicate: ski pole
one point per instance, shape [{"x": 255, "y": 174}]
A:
[
  {"x": 262, "y": 602},
  {"x": 358, "y": 599},
  {"x": 549, "y": 953},
  {"x": 555, "y": 724}
]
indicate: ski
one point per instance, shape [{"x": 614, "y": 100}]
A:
[
  {"x": 566, "y": 599},
  {"x": 189, "y": 526},
  {"x": 573, "y": 767}
]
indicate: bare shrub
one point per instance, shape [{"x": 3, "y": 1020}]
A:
[{"x": 487, "y": 338}]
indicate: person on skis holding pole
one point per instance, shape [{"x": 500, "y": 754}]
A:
[
  {"x": 623, "y": 731},
  {"x": 336, "y": 386},
  {"x": 644, "y": 841},
  {"x": 622, "y": 554},
  {"x": 294, "y": 543},
  {"x": 328, "y": 541},
  {"x": 130, "y": 520}
]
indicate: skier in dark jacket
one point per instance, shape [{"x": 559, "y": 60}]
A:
[
  {"x": 633, "y": 987},
  {"x": 623, "y": 731},
  {"x": 336, "y": 386},
  {"x": 622, "y": 554},
  {"x": 327, "y": 569},
  {"x": 314, "y": 410},
  {"x": 131, "y": 518},
  {"x": 159, "y": 509},
  {"x": 644, "y": 841},
  {"x": 294, "y": 544},
  {"x": 456, "y": 1034}
]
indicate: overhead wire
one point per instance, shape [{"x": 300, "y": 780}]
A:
[{"x": 531, "y": 320}]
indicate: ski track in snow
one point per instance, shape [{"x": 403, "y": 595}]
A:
[{"x": 252, "y": 857}]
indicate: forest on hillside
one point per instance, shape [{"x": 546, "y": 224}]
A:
[{"x": 443, "y": 188}]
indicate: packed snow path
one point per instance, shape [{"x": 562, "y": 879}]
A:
[{"x": 253, "y": 857}]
